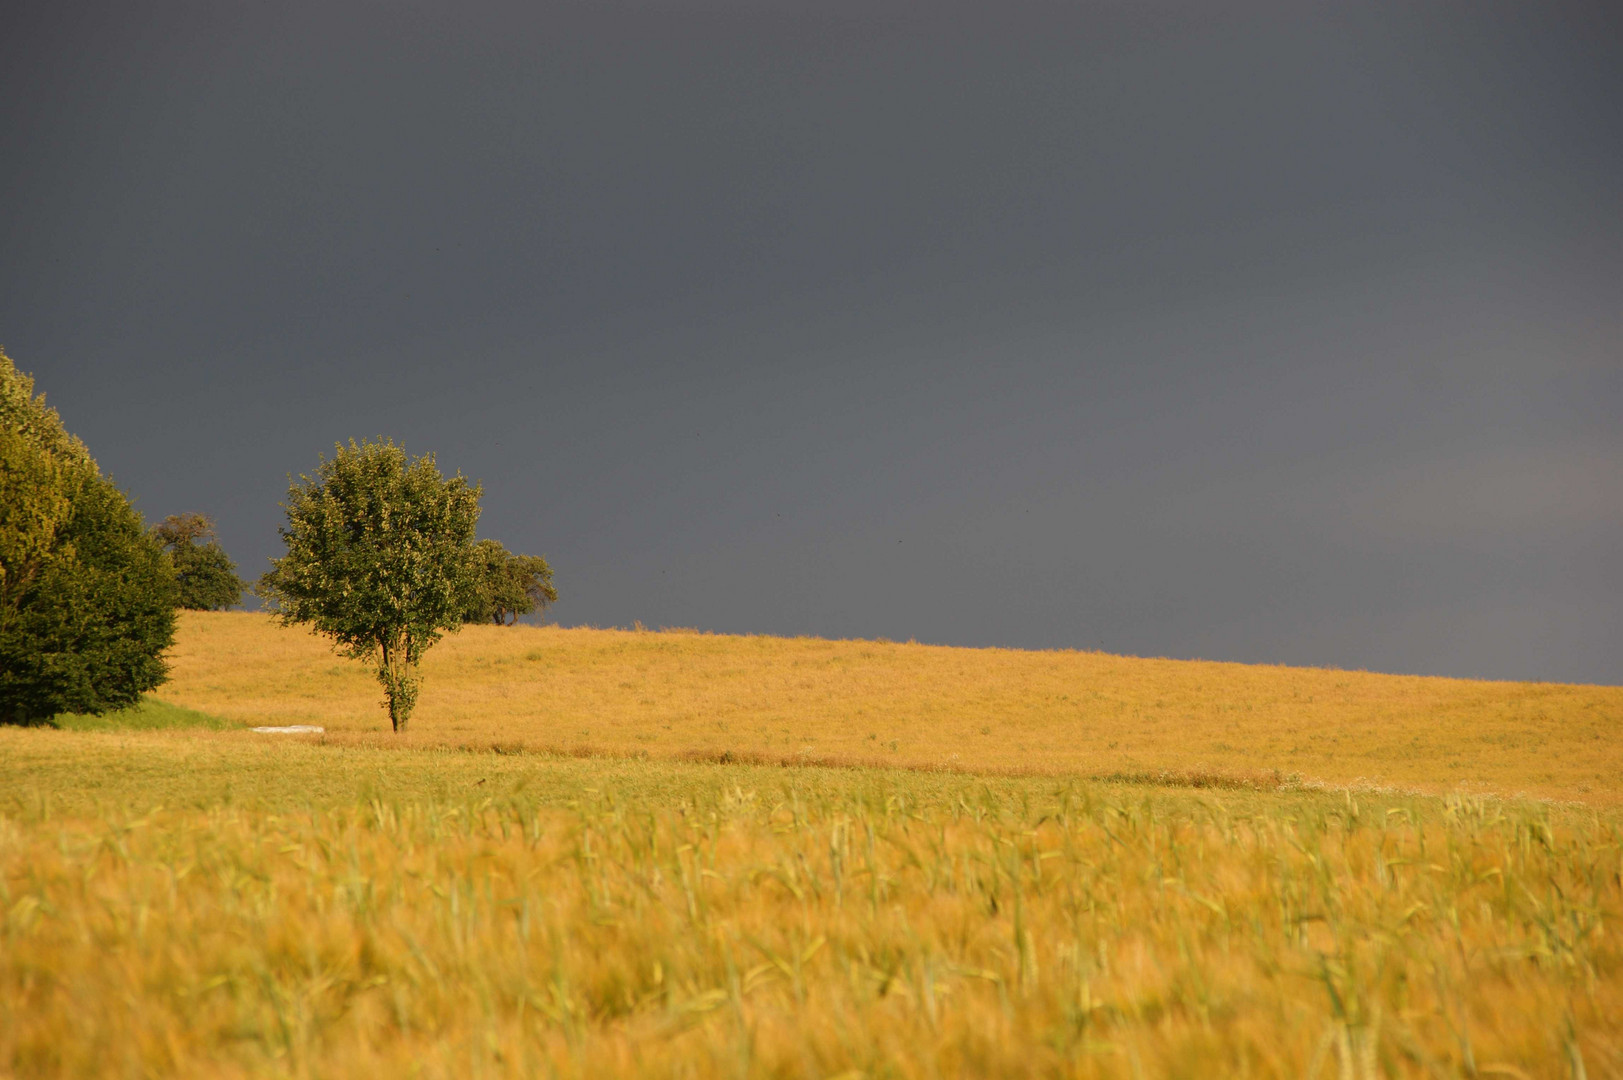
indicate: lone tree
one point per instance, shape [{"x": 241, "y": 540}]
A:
[
  {"x": 508, "y": 585},
  {"x": 87, "y": 599},
  {"x": 379, "y": 559},
  {"x": 205, "y": 573}
]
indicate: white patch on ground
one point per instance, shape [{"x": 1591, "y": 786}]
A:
[{"x": 292, "y": 729}]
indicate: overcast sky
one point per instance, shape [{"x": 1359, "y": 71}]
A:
[{"x": 1283, "y": 332}]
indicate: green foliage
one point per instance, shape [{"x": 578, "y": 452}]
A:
[
  {"x": 148, "y": 714},
  {"x": 41, "y": 467},
  {"x": 86, "y": 597},
  {"x": 205, "y": 573},
  {"x": 379, "y": 559},
  {"x": 508, "y": 585}
]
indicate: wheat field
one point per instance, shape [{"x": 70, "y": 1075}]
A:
[
  {"x": 799, "y": 700},
  {"x": 669, "y": 854},
  {"x": 201, "y": 904}
]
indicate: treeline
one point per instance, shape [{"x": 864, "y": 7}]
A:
[{"x": 381, "y": 557}]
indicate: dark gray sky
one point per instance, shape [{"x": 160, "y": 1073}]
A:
[{"x": 1271, "y": 332}]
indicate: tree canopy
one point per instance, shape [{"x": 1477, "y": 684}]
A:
[
  {"x": 507, "y": 585},
  {"x": 87, "y": 599},
  {"x": 379, "y": 559},
  {"x": 206, "y": 575}
]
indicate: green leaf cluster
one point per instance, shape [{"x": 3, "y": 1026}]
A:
[
  {"x": 379, "y": 559},
  {"x": 508, "y": 585},
  {"x": 87, "y": 599},
  {"x": 205, "y": 573}
]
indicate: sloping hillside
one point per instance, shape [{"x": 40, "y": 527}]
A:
[{"x": 676, "y": 694}]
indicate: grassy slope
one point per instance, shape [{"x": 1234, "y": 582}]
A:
[
  {"x": 206, "y": 904},
  {"x": 149, "y": 714},
  {"x": 1058, "y": 712}
]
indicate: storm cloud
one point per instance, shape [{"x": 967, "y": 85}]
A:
[{"x": 1268, "y": 332}]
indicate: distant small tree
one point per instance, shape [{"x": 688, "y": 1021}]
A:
[
  {"x": 87, "y": 600},
  {"x": 507, "y": 585},
  {"x": 205, "y": 573},
  {"x": 379, "y": 559}
]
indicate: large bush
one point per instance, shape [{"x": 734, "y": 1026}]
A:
[{"x": 87, "y": 599}]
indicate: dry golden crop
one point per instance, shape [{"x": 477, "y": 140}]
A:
[
  {"x": 672, "y": 694},
  {"x": 202, "y": 905},
  {"x": 191, "y": 901}
]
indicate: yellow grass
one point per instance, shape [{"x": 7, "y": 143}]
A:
[
  {"x": 670, "y": 695},
  {"x": 219, "y": 904},
  {"x": 181, "y": 901}
]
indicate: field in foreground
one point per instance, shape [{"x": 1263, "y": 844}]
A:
[
  {"x": 209, "y": 904},
  {"x": 670, "y": 695}
]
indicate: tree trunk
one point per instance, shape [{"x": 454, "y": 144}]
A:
[{"x": 399, "y": 684}]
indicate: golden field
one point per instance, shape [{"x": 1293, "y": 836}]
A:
[
  {"x": 207, "y": 904},
  {"x": 587, "y": 858},
  {"x": 673, "y": 694}
]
